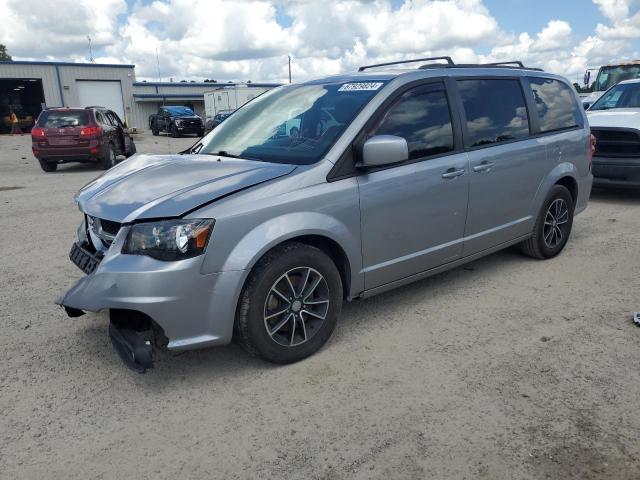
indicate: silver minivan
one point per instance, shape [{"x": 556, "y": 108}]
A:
[{"x": 260, "y": 232}]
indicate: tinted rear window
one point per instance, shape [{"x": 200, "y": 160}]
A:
[
  {"x": 60, "y": 119},
  {"x": 495, "y": 111},
  {"x": 555, "y": 103}
]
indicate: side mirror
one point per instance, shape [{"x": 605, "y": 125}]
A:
[
  {"x": 384, "y": 150},
  {"x": 586, "y": 105}
]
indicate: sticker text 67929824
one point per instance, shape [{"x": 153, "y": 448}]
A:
[{"x": 360, "y": 86}]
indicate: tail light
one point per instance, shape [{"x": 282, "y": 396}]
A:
[
  {"x": 592, "y": 149},
  {"x": 91, "y": 132},
  {"x": 37, "y": 132}
]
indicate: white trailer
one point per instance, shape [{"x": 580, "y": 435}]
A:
[{"x": 226, "y": 99}]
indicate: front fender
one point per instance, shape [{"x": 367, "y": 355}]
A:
[{"x": 250, "y": 248}]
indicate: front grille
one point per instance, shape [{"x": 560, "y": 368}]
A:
[
  {"x": 617, "y": 142},
  {"x": 102, "y": 231},
  {"x": 112, "y": 228}
]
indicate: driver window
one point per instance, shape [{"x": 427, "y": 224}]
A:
[{"x": 421, "y": 116}]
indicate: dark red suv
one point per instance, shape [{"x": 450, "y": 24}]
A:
[{"x": 92, "y": 134}]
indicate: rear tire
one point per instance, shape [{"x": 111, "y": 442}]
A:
[
  {"x": 553, "y": 225},
  {"x": 109, "y": 160},
  {"x": 296, "y": 322},
  {"x": 48, "y": 166}
]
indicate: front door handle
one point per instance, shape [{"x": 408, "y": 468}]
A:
[
  {"x": 453, "y": 173},
  {"x": 484, "y": 167}
]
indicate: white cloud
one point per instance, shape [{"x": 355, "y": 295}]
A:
[
  {"x": 241, "y": 39},
  {"x": 58, "y": 29}
]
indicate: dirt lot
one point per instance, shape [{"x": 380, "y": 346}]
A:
[{"x": 506, "y": 368}]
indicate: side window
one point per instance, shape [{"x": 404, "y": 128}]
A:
[
  {"x": 495, "y": 110},
  {"x": 114, "y": 119},
  {"x": 556, "y": 105},
  {"x": 421, "y": 116},
  {"x": 100, "y": 118}
]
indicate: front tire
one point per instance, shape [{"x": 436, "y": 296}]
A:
[
  {"x": 174, "y": 131},
  {"x": 290, "y": 304},
  {"x": 553, "y": 225}
]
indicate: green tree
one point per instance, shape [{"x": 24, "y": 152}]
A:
[{"x": 4, "y": 56}]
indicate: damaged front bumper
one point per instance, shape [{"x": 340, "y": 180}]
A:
[{"x": 191, "y": 309}]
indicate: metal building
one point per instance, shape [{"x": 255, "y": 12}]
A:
[{"x": 26, "y": 87}]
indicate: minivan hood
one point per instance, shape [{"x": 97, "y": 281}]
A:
[
  {"x": 615, "y": 117},
  {"x": 164, "y": 186}
]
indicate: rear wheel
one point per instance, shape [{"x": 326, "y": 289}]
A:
[
  {"x": 48, "y": 166},
  {"x": 109, "y": 160},
  {"x": 290, "y": 304},
  {"x": 553, "y": 225}
]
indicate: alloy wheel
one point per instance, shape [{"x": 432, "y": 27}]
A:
[
  {"x": 296, "y": 306},
  {"x": 556, "y": 223}
]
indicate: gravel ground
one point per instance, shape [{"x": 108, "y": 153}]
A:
[{"x": 505, "y": 368}]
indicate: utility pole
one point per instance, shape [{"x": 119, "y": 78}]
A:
[
  {"x": 90, "y": 51},
  {"x": 289, "y": 68},
  {"x": 158, "y": 64}
]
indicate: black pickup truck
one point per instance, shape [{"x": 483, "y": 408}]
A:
[{"x": 176, "y": 121}]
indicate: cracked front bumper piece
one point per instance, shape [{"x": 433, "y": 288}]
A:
[{"x": 192, "y": 309}]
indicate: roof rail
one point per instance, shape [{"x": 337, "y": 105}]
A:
[
  {"x": 516, "y": 64},
  {"x": 506, "y": 64},
  {"x": 366, "y": 67}
]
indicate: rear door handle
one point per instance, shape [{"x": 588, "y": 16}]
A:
[
  {"x": 484, "y": 167},
  {"x": 453, "y": 173}
]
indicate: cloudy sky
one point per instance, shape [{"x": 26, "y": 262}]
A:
[{"x": 242, "y": 40}]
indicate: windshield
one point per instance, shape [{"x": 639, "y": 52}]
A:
[
  {"x": 626, "y": 95},
  {"x": 180, "y": 111},
  {"x": 293, "y": 124},
  {"x": 610, "y": 76},
  {"x": 63, "y": 118}
]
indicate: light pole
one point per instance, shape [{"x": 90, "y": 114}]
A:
[
  {"x": 289, "y": 68},
  {"x": 90, "y": 51}
]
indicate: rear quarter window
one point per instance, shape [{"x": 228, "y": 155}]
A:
[
  {"x": 495, "y": 110},
  {"x": 556, "y": 105}
]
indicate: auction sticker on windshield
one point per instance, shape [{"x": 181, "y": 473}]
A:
[{"x": 360, "y": 86}]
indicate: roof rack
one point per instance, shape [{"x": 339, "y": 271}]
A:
[
  {"x": 448, "y": 60},
  {"x": 451, "y": 64}
]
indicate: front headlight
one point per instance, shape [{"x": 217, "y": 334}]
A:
[
  {"x": 169, "y": 240},
  {"x": 178, "y": 122}
]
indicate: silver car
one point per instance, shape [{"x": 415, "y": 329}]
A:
[{"x": 259, "y": 232}]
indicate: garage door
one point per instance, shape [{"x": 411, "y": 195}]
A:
[{"x": 103, "y": 94}]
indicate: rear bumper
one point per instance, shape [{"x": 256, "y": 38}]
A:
[
  {"x": 194, "y": 310},
  {"x": 85, "y": 153},
  {"x": 616, "y": 172}
]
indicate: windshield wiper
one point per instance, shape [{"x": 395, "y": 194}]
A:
[{"x": 224, "y": 153}]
